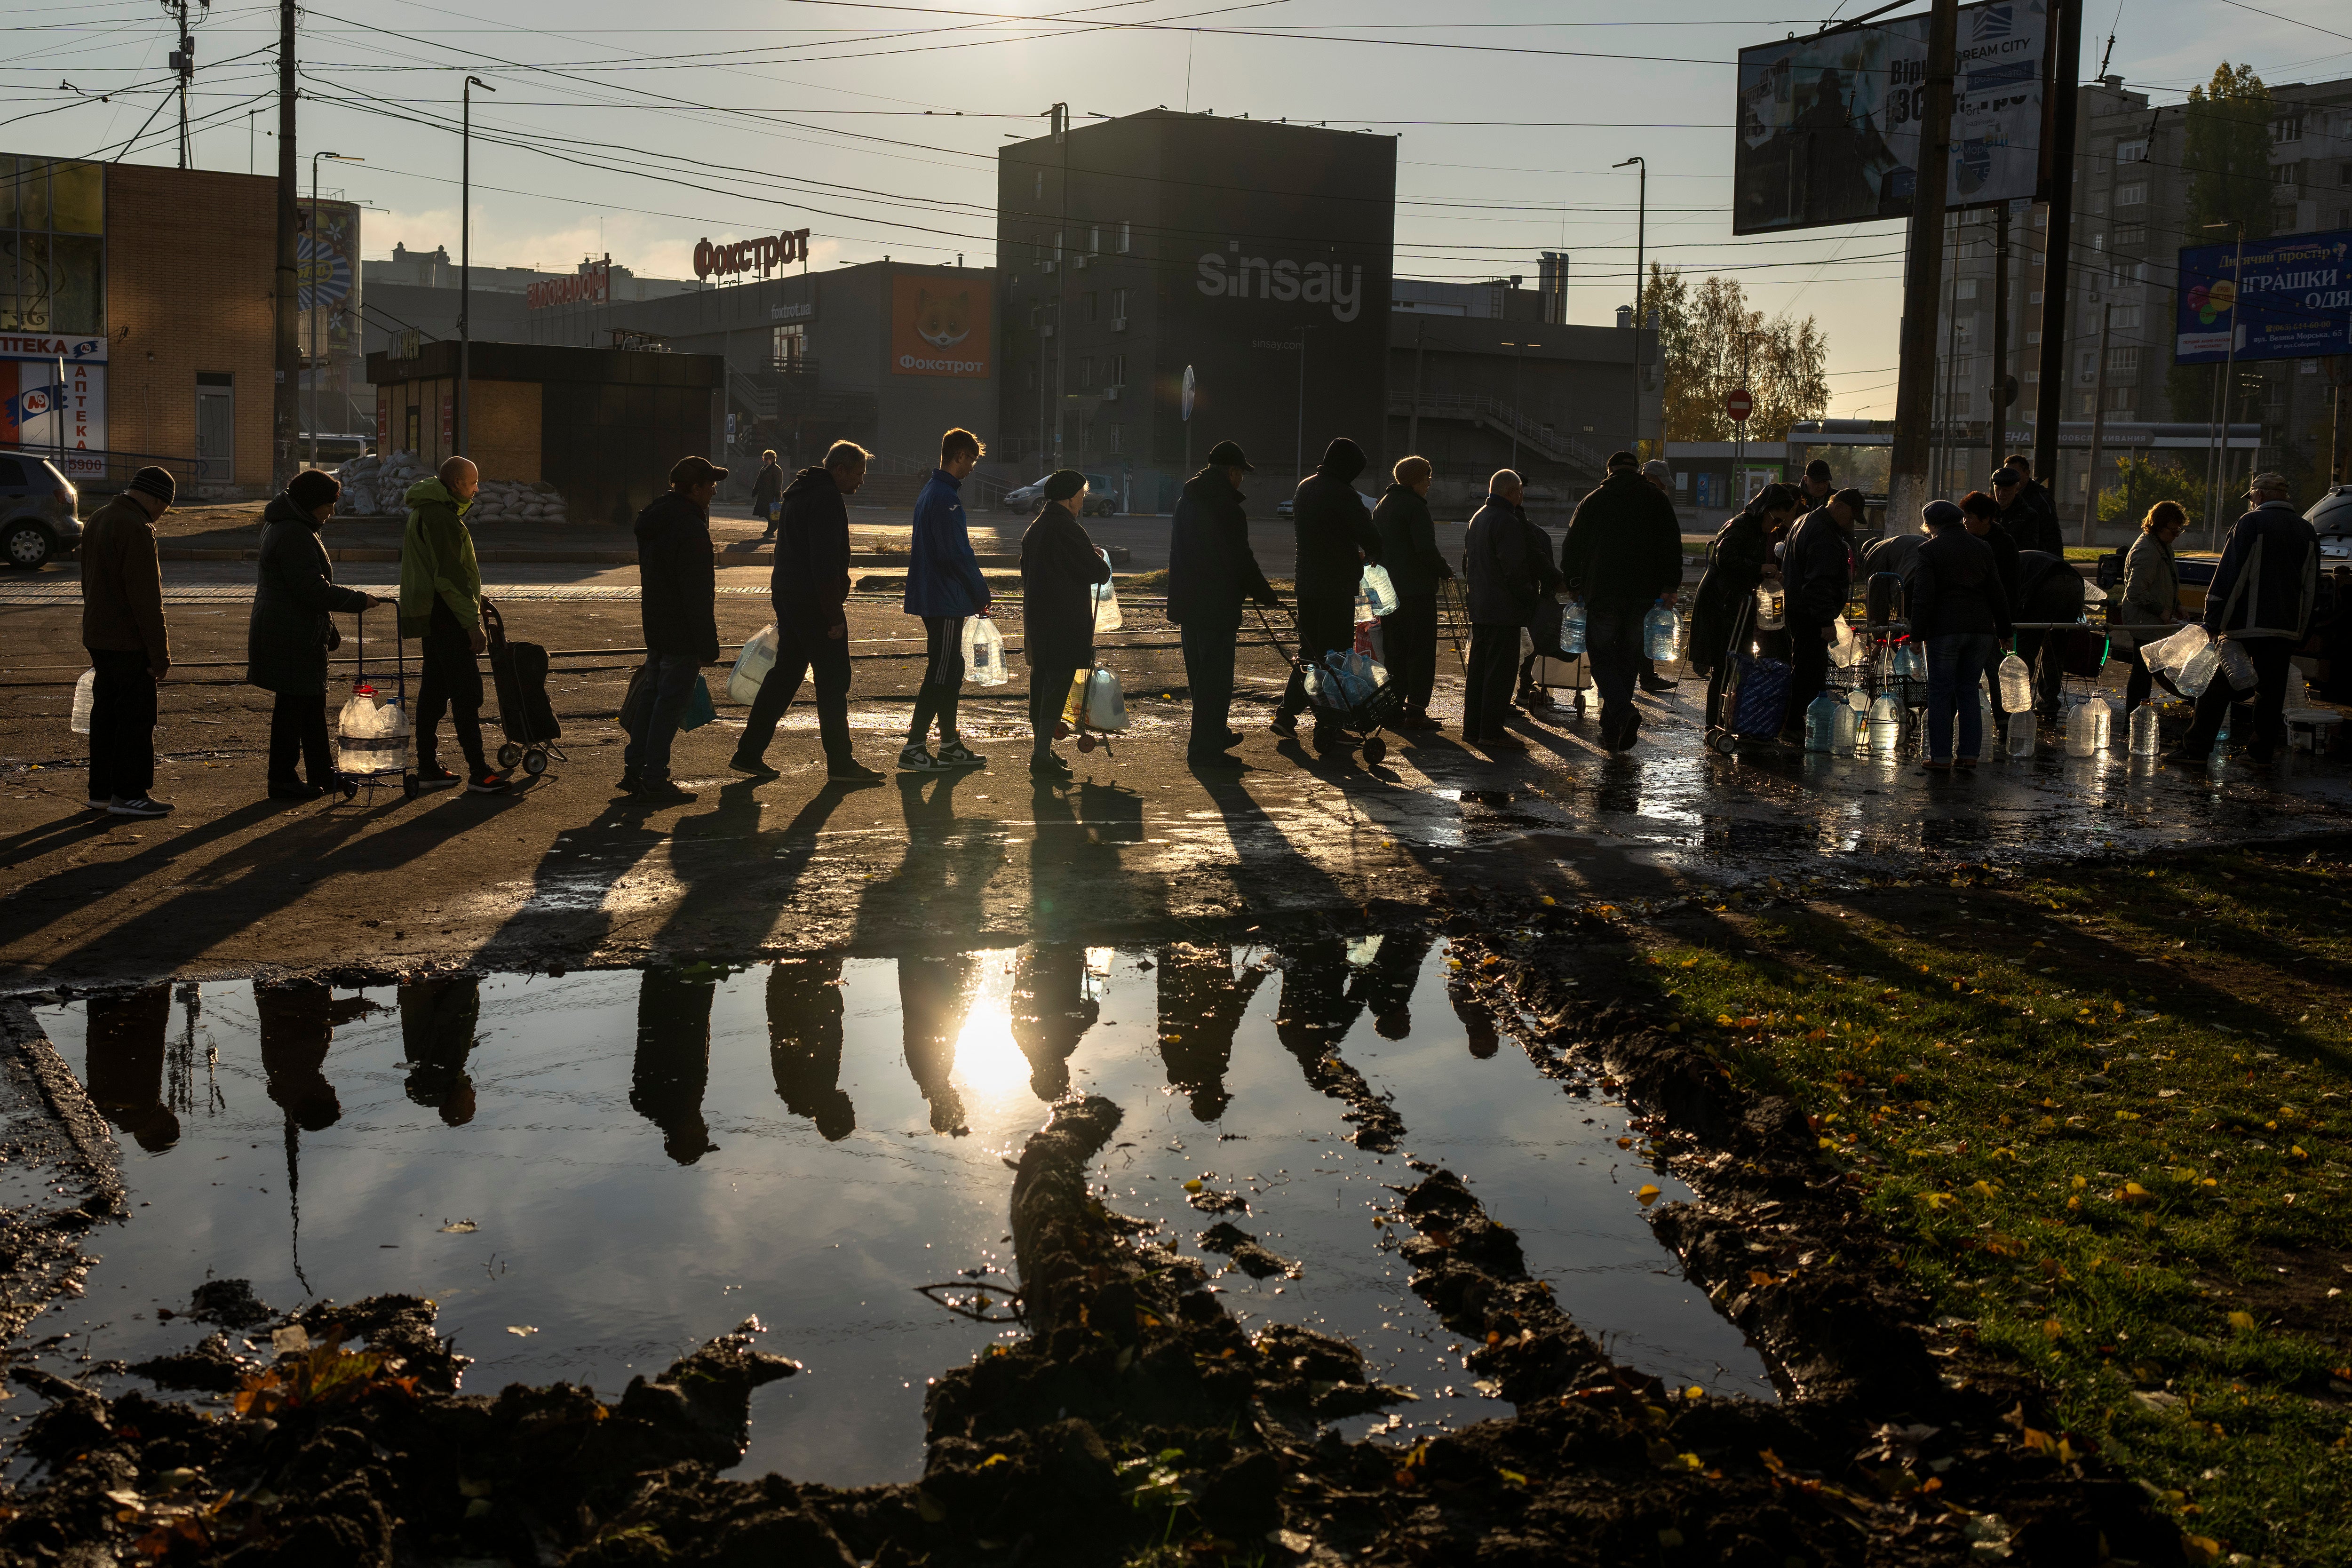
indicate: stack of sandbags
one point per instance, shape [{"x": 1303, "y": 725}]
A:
[
  {"x": 373, "y": 485},
  {"x": 516, "y": 501}
]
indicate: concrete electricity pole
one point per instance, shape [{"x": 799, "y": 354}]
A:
[
  {"x": 1907, "y": 484},
  {"x": 1641, "y": 236},
  {"x": 1998, "y": 441},
  {"x": 2058, "y": 248},
  {"x": 1062, "y": 250},
  {"x": 465, "y": 266},
  {"x": 285, "y": 405}
]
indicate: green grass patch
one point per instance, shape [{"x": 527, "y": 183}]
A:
[{"x": 2104, "y": 1116}]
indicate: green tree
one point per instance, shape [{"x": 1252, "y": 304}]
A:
[
  {"x": 2140, "y": 482},
  {"x": 1712, "y": 343},
  {"x": 2227, "y": 156}
]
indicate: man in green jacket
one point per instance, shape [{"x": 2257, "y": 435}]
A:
[{"x": 441, "y": 603}]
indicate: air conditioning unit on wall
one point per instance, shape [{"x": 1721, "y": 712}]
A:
[
  {"x": 1119, "y": 323},
  {"x": 1110, "y": 394}
]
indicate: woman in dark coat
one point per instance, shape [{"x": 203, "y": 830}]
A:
[
  {"x": 1059, "y": 567},
  {"x": 286, "y": 645},
  {"x": 1738, "y": 563}
]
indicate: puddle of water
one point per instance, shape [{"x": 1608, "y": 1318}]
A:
[{"x": 649, "y": 1157}]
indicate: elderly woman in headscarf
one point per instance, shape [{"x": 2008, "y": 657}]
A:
[
  {"x": 1738, "y": 562},
  {"x": 1059, "y": 569}
]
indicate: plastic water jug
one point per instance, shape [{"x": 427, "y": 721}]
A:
[
  {"x": 2082, "y": 728},
  {"x": 1825, "y": 721},
  {"x": 1104, "y": 601},
  {"x": 2198, "y": 673},
  {"x": 1571, "y": 627},
  {"x": 85, "y": 695},
  {"x": 1885, "y": 725},
  {"x": 1771, "y": 608},
  {"x": 2016, "y": 685},
  {"x": 1379, "y": 591},
  {"x": 751, "y": 664},
  {"x": 2167, "y": 654},
  {"x": 2020, "y": 739},
  {"x": 983, "y": 653},
  {"x": 2237, "y": 664},
  {"x": 1989, "y": 722},
  {"x": 1662, "y": 634},
  {"x": 2105, "y": 716},
  {"x": 2147, "y": 731},
  {"x": 1911, "y": 659}
]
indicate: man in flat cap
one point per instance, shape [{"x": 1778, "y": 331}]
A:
[{"x": 1211, "y": 572}]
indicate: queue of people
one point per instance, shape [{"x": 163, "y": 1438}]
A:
[{"x": 1971, "y": 581}]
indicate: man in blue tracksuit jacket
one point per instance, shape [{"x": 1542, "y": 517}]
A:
[{"x": 944, "y": 587}]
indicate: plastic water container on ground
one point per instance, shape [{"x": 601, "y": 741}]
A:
[
  {"x": 85, "y": 697},
  {"x": 1886, "y": 726},
  {"x": 1662, "y": 634},
  {"x": 2083, "y": 727},
  {"x": 2147, "y": 731},
  {"x": 1571, "y": 627},
  {"x": 2016, "y": 685},
  {"x": 1824, "y": 723},
  {"x": 2020, "y": 739}
]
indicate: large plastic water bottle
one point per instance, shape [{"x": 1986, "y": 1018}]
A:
[
  {"x": 1771, "y": 608},
  {"x": 1885, "y": 725},
  {"x": 2082, "y": 728},
  {"x": 2198, "y": 672},
  {"x": 85, "y": 696},
  {"x": 1824, "y": 723},
  {"x": 2147, "y": 731},
  {"x": 1377, "y": 591},
  {"x": 1662, "y": 634},
  {"x": 1571, "y": 627},
  {"x": 2016, "y": 685},
  {"x": 1987, "y": 722},
  {"x": 2106, "y": 715},
  {"x": 2020, "y": 732}
]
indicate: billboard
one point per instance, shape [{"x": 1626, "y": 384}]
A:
[
  {"x": 63, "y": 419},
  {"x": 2289, "y": 298},
  {"x": 327, "y": 273},
  {"x": 1829, "y": 125},
  {"x": 939, "y": 324}
]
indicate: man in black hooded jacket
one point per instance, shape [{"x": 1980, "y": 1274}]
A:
[
  {"x": 1336, "y": 537},
  {"x": 811, "y": 588}
]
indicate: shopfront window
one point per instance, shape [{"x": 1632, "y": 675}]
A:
[{"x": 52, "y": 247}]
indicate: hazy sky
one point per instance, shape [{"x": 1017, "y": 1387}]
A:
[{"x": 751, "y": 118}]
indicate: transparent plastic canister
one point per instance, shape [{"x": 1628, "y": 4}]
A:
[
  {"x": 1662, "y": 634},
  {"x": 1771, "y": 608},
  {"x": 2082, "y": 728},
  {"x": 1823, "y": 724},
  {"x": 1571, "y": 627},
  {"x": 2020, "y": 742},
  {"x": 2147, "y": 731},
  {"x": 2016, "y": 685},
  {"x": 85, "y": 697},
  {"x": 1885, "y": 725}
]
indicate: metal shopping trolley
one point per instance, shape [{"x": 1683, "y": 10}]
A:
[
  {"x": 1351, "y": 692},
  {"x": 375, "y": 741}
]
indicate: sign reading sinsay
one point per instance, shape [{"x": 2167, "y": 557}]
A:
[{"x": 1231, "y": 275}]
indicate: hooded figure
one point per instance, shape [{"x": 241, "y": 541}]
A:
[
  {"x": 287, "y": 641},
  {"x": 1211, "y": 570},
  {"x": 441, "y": 604},
  {"x": 1336, "y": 537}
]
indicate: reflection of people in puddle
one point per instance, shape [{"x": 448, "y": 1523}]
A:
[
  {"x": 1316, "y": 1009},
  {"x": 932, "y": 995},
  {"x": 438, "y": 1016},
  {"x": 298, "y": 1024},
  {"x": 1051, "y": 1010},
  {"x": 1200, "y": 1006},
  {"x": 125, "y": 1070},
  {"x": 673, "y": 1061},
  {"x": 1388, "y": 981},
  {"x": 804, "y": 1043},
  {"x": 1477, "y": 1024}
]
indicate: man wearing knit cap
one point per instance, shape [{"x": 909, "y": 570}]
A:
[{"x": 123, "y": 627}]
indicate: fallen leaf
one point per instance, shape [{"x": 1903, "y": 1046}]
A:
[
  {"x": 1645, "y": 1195},
  {"x": 521, "y": 1330},
  {"x": 2242, "y": 1320},
  {"x": 459, "y": 1227}
]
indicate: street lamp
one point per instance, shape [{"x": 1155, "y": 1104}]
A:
[
  {"x": 2217, "y": 459},
  {"x": 465, "y": 256},
  {"x": 1519, "y": 358},
  {"x": 313, "y": 377},
  {"x": 1641, "y": 232}
]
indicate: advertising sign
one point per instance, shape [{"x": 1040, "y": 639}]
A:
[
  {"x": 762, "y": 255},
  {"x": 327, "y": 272},
  {"x": 2291, "y": 297},
  {"x": 1829, "y": 125},
  {"x": 41, "y": 412},
  {"x": 591, "y": 285},
  {"x": 939, "y": 324}
]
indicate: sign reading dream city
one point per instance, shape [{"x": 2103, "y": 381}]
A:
[{"x": 762, "y": 255}]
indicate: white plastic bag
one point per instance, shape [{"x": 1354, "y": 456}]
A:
[
  {"x": 1105, "y": 603},
  {"x": 371, "y": 736},
  {"x": 1105, "y": 704},
  {"x": 1377, "y": 591},
  {"x": 85, "y": 697},
  {"x": 751, "y": 664},
  {"x": 984, "y": 652},
  {"x": 1847, "y": 650}
]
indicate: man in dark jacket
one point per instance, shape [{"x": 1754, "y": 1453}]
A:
[
  {"x": 2027, "y": 511},
  {"x": 1622, "y": 555},
  {"x": 1059, "y": 570},
  {"x": 1818, "y": 572},
  {"x": 679, "y": 607},
  {"x": 123, "y": 627},
  {"x": 767, "y": 490},
  {"x": 1336, "y": 537},
  {"x": 287, "y": 640},
  {"x": 2261, "y": 599},
  {"x": 1409, "y": 551},
  {"x": 810, "y": 588},
  {"x": 1958, "y": 613},
  {"x": 1507, "y": 569},
  {"x": 1211, "y": 572}
]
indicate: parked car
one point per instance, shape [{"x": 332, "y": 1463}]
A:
[
  {"x": 37, "y": 517},
  {"x": 1102, "y": 496},
  {"x": 2331, "y": 518}
]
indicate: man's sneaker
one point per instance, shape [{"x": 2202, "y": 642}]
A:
[
  {"x": 1049, "y": 766},
  {"x": 916, "y": 758},
  {"x": 487, "y": 783},
  {"x": 956, "y": 754},
  {"x": 849, "y": 770},
  {"x": 661, "y": 792},
  {"x": 756, "y": 766},
  {"x": 138, "y": 806},
  {"x": 1285, "y": 726},
  {"x": 432, "y": 775}
]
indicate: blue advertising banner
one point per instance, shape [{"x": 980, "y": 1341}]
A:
[{"x": 2288, "y": 297}]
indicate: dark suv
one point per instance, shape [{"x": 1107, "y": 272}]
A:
[{"x": 36, "y": 512}]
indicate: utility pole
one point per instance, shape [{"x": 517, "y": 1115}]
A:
[
  {"x": 1998, "y": 438},
  {"x": 1923, "y": 280},
  {"x": 1946, "y": 418},
  {"x": 2058, "y": 246},
  {"x": 184, "y": 66},
  {"x": 286, "y": 413},
  {"x": 2099, "y": 423},
  {"x": 2338, "y": 468},
  {"x": 1641, "y": 234},
  {"x": 2217, "y": 447},
  {"x": 466, "y": 266},
  {"x": 1061, "y": 118},
  {"x": 1421, "y": 346}
]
